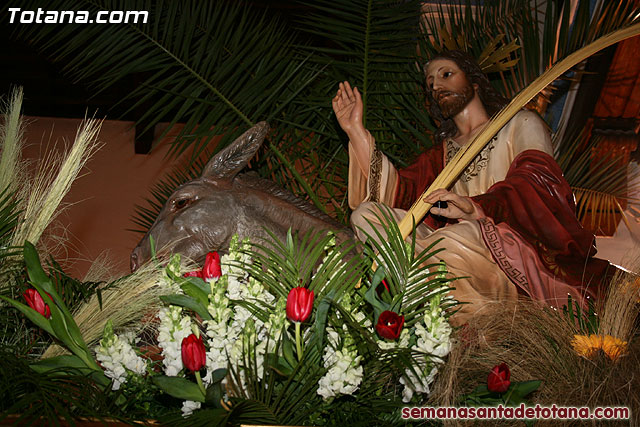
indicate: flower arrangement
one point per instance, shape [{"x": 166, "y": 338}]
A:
[{"x": 280, "y": 325}]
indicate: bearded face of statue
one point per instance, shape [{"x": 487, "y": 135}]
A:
[
  {"x": 449, "y": 86},
  {"x": 451, "y": 103}
]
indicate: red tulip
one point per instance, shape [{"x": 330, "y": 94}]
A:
[
  {"x": 299, "y": 304},
  {"x": 35, "y": 301},
  {"x": 211, "y": 269},
  {"x": 498, "y": 380},
  {"x": 194, "y": 355},
  {"x": 389, "y": 325}
]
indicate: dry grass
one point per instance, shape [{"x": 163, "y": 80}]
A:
[
  {"x": 536, "y": 344},
  {"x": 103, "y": 268},
  {"x": 11, "y": 142},
  {"x": 41, "y": 197},
  {"x": 132, "y": 300}
]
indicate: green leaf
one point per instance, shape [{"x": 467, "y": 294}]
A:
[
  {"x": 214, "y": 392},
  {"x": 218, "y": 375},
  {"x": 34, "y": 267},
  {"x": 378, "y": 276},
  {"x": 321, "y": 318},
  {"x": 196, "y": 290},
  {"x": 179, "y": 387},
  {"x": 522, "y": 389},
  {"x": 288, "y": 350},
  {"x": 58, "y": 362},
  {"x": 372, "y": 294},
  {"x": 483, "y": 401},
  {"x": 188, "y": 302},
  {"x": 42, "y": 282},
  {"x": 214, "y": 395},
  {"x": 70, "y": 364},
  {"x": 480, "y": 390},
  {"x": 152, "y": 245},
  {"x": 282, "y": 367},
  {"x": 59, "y": 324},
  {"x": 37, "y": 318}
]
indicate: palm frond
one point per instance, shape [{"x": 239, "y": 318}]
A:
[
  {"x": 216, "y": 66},
  {"x": 418, "y": 276},
  {"x": 146, "y": 214},
  {"x": 303, "y": 261},
  {"x": 290, "y": 404},
  {"x": 209, "y": 64},
  {"x": 332, "y": 273},
  {"x": 375, "y": 50},
  {"x": 30, "y": 397},
  {"x": 363, "y": 42},
  {"x": 545, "y": 31},
  {"x": 598, "y": 181}
]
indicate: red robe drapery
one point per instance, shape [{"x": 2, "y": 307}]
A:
[{"x": 536, "y": 202}]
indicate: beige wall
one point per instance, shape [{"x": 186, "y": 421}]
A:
[{"x": 104, "y": 198}]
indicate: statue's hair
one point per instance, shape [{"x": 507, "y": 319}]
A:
[{"x": 491, "y": 99}]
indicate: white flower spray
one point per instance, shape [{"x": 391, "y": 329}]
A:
[
  {"x": 189, "y": 406},
  {"x": 174, "y": 327},
  {"x": 432, "y": 345},
  {"x": 233, "y": 327},
  {"x": 117, "y": 356},
  {"x": 344, "y": 369}
]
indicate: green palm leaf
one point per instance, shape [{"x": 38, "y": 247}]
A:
[
  {"x": 216, "y": 66},
  {"x": 303, "y": 261},
  {"x": 598, "y": 182},
  {"x": 409, "y": 273},
  {"x": 373, "y": 44},
  {"x": 30, "y": 397},
  {"x": 542, "y": 29}
]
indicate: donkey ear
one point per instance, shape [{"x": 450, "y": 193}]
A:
[{"x": 228, "y": 162}]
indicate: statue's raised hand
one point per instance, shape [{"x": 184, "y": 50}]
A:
[{"x": 347, "y": 104}]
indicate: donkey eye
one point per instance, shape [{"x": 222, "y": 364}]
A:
[{"x": 180, "y": 203}]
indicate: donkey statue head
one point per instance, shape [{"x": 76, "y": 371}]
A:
[{"x": 204, "y": 214}]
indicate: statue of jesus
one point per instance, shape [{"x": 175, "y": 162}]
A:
[{"x": 509, "y": 222}]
